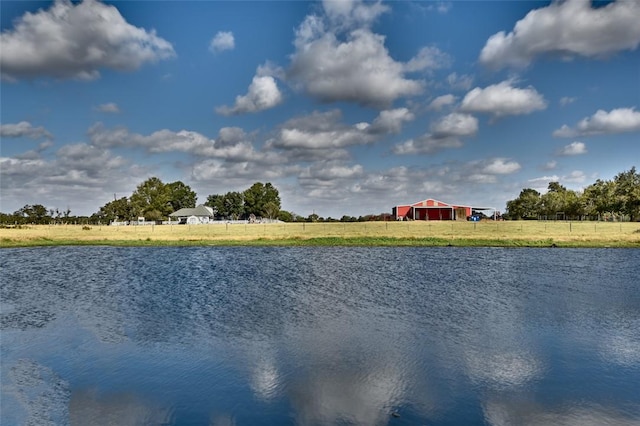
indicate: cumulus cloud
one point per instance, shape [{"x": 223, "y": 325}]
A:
[
  {"x": 428, "y": 58},
  {"x": 620, "y": 120},
  {"x": 358, "y": 70},
  {"x": 222, "y": 41},
  {"x": 541, "y": 183},
  {"x": 24, "y": 129},
  {"x": 391, "y": 121},
  {"x": 323, "y": 135},
  {"x": 232, "y": 143},
  {"x": 442, "y": 101},
  {"x": 78, "y": 176},
  {"x": 263, "y": 94},
  {"x": 75, "y": 41},
  {"x": 110, "y": 108},
  {"x": 550, "y": 165},
  {"x": 321, "y": 130},
  {"x": 567, "y": 28},
  {"x": 501, "y": 166},
  {"x": 574, "y": 148},
  {"x": 352, "y": 13},
  {"x": 339, "y": 58},
  {"x": 576, "y": 176},
  {"x": 455, "y": 124},
  {"x": 445, "y": 133},
  {"x": 503, "y": 99}
]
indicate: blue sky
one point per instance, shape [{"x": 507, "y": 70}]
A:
[{"x": 346, "y": 107}]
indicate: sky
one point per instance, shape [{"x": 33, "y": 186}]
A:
[{"x": 347, "y": 107}]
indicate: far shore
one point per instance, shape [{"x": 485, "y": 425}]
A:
[{"x": 364, "y": 234}]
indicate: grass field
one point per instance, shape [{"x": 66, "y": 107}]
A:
[{"x": 489, "y": 233}]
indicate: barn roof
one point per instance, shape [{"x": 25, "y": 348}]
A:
[{"x": 197, "y": 211}]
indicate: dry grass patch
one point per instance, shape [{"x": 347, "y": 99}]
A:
[{"x": 462, "y": 233}]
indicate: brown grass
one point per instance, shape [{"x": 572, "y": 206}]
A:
[{"x": 457, "y": 233}]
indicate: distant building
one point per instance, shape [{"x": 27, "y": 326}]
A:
[
  {"x": 431, "y": 209},
  {"x": 193, "y": 216}
]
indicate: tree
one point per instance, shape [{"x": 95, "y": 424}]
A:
[
  {"x": 36, "y": 214},
  {"x": 151, "y": 199},
  {"x": 181, "y": 196},
  {"x": 627, "y": 190},
  {"x": 115, "y": 210},
  {"x": 526, "y": 206},
  {"x": 258, "y": 196},
  {"x": 285, "y": 216},
  {"x": 216, "y": 202},
  {"x": 232, "y": 205},
  {"x": 271, "y": 210}
]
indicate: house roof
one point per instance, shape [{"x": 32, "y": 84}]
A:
[{"x": 198, "y": 211}]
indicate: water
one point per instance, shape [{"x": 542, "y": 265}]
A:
[{"x": 320, "y": 336}]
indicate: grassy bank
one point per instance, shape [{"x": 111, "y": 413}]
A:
[{"x": 488, "y": 234}]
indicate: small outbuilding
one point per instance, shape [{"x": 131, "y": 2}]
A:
[
  {"x": 193, "y": 216},
  {"x": 431, "y": 209}
]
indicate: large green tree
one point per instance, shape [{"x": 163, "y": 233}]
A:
[
  {"x": 116, "y": 210},
  {"x": 216, "y": 202},
  {"x": 526, "y": 206},
  {"x": 181, "y": 196},
  {"x": 36, "y": 213},
  {"x": 599, "y": 198},
  {"x": 627, "y": 191},
  {"x": 262, "y": 200},
  {"x": 232, "y": 205},
  {"x": 151, "y": 199}
]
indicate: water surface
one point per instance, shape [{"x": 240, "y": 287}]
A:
[{"x": 320, "y": 336}]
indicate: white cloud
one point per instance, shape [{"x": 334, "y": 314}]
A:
[
  {"x": 445, "y": 133},
  {"x": 428, "y": 58},
  {"x": 352, "y": 13},
  {"x": 263, "y": 94},
  {"x": 80, "y": 176},
  {"x": 328, "y": 171},
  {"x": 75, "y": 40},
  {"x": 391, "y": 121},
  {"x": 574, "y": 148},
  {"x": 576, "y": 176},
  {"x": 501, "y": 166},
  {"x": 338, "y": 58},
  {"x": 110, "y": 107},
  {"x": 426, "y": 144},
  {"x": 320, "y": 130},
  {"x": 568, "y": 28},
  {"x": 620, "y": 120},
  {"x": 358, "y": 70},
  {"x": 542, "y": 183},
  {"x": 23, "y": 129},
  {"x": 460, "y": 82},
  {"x": 455, "y": 124},
  {"x": 232, "y": 144},
  {"x": 550, "y": 165},
  {"x": 222, "y": 41},
  {"x": 442, "y": 101},
  {"x": 566, "y": 100},
  {"x": 503, "y": 99}
]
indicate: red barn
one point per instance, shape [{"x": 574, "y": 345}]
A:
[{"x": 431, "y": 209}]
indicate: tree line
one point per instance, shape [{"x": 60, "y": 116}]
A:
[
  {"x": 616, "y": 199},
  {"x": 155, "y": 201}
]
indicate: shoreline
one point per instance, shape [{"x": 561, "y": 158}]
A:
[{"x": 324, "y": 242}]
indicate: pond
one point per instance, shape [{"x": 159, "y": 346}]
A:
[{"x": 320, "y": 336}]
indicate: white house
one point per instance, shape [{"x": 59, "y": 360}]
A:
[{"x": 193, "y": 216}]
